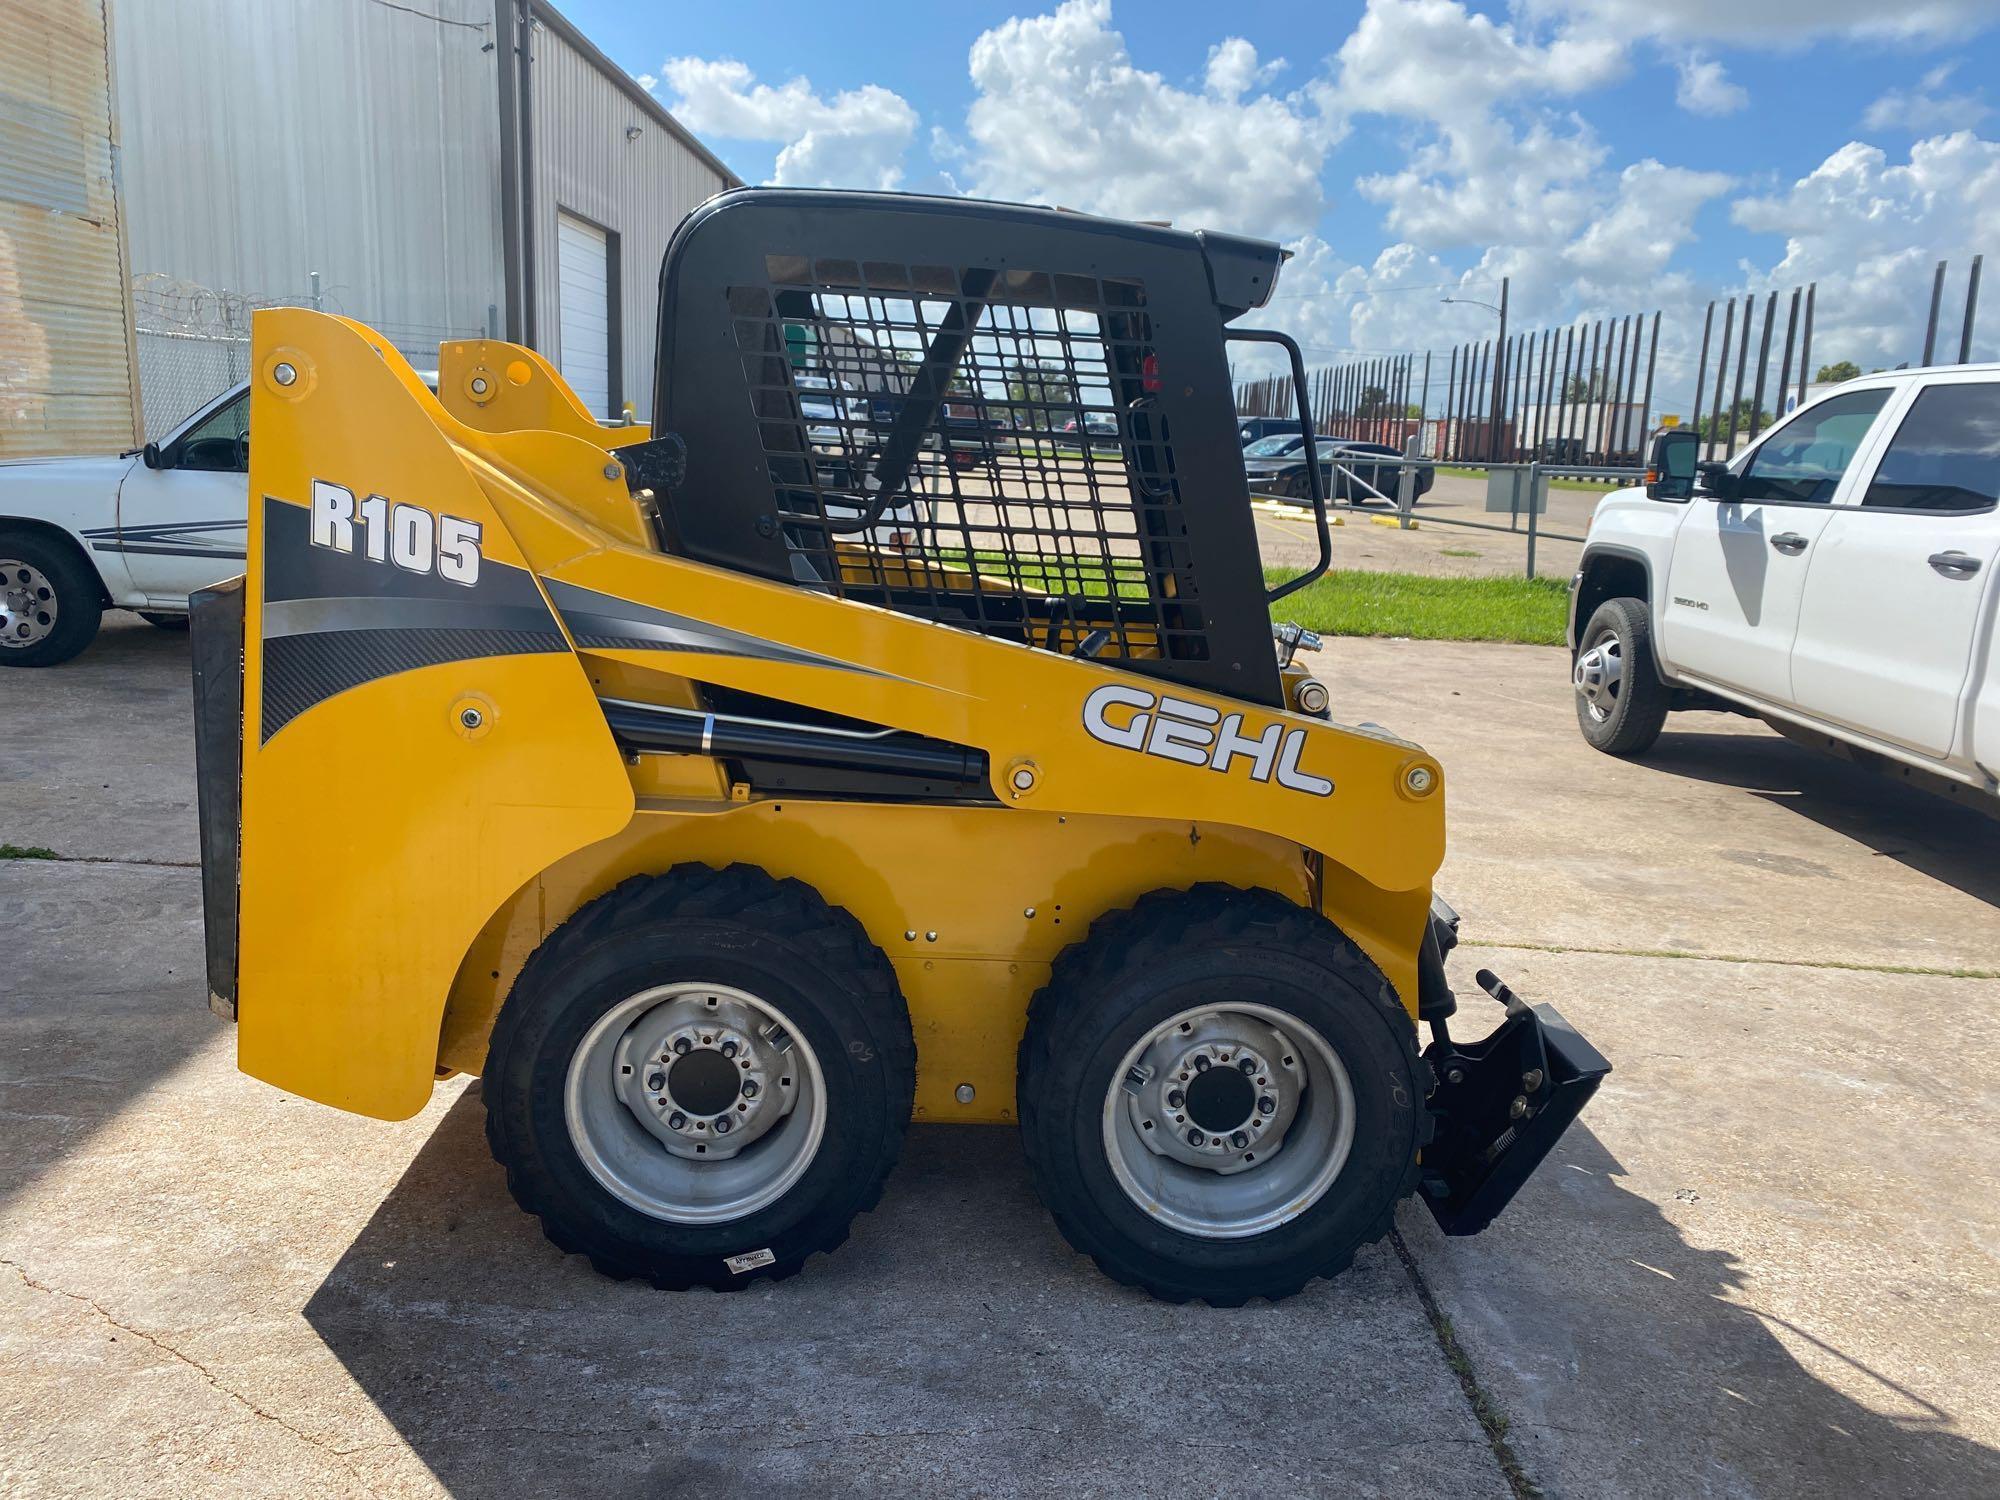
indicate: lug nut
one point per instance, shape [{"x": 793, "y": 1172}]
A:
[
  {"x": 722, "y": 1124},
  {"x": 1196, "y": 1138},
  {"x": 729, "y": 1049},
  {"x": 1247, "y": 1066},
  {"x": 1267, "y": 1105},
  {"x": 1201, "y": 1065},
  {"x": 1175, "y": 1098},
  {"x": 656, "y": 1081},
  {"x": 677, "y": 1121},
  {"x": 749, "y": 1089},
  {"x": 682, "y": 1046},
  {"x": 1239, "y": 1140}
]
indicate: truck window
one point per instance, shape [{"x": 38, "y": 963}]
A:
[
  {"x": 1946, "y": 455},
  {"x": 217, "y": 444},
  {"x": 1804, "y": 459}
]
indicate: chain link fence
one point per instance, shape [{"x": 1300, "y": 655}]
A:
[{"x": 193, "y": 343}]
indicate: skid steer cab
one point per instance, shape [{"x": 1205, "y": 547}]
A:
[{"x": 895, "y": 730}]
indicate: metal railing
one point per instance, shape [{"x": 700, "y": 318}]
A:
[{"x": 1345, "y": 480}]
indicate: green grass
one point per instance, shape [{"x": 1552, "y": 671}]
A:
[
  {"x": 1351, "y": 602},
  {"x": 1590, "y": 486},
  {"x": 26, "y": 851},
  {"x": 1344, "y": 602}
]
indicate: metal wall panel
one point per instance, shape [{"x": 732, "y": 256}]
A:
[
  {"x": 65, "y": 336},
  {"x": 604, "y": 157},
  {"x": 359, "y": 139}
]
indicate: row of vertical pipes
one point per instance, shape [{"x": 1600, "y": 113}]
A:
[{"x": 1507, "y": 401}]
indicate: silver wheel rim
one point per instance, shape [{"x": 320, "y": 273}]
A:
[
  {"x": 28, "y": 604},
  {"x": 695, "y": 1103},
  {"x": 1199, "y": 1154},
  {"x": 1598, "y": 675}
]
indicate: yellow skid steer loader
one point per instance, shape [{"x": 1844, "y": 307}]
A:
[{"x": 896, "y": 729}]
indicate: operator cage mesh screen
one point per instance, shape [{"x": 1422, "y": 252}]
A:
[{"x": 977, "y": 446}]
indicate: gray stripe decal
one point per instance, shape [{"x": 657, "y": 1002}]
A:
[
  {"x": 285, "y": 617},
  {"x": 605, "y": 620}
]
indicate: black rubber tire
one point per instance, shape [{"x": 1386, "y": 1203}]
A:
[
  {"x": 736, "y": 926},
  {"x": 1634, "y": 723},
  {"x": 164, "y": 621},
  {"x": 1135, "y": 970},
  {"x": 79, "y": 598}
]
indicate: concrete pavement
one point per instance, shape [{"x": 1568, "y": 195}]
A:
[
  {"x": 1436, "y": 547},
  {"x": 1764, "y": 1264}
]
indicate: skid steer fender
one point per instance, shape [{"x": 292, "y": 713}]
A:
[
  {"x": 419, "y": 738},
  {"x": 497, "y": 387}
]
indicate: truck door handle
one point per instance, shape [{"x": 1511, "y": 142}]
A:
[
  {"x": 1789, "y": 542},
  {"x": 1954, "y": 564}
]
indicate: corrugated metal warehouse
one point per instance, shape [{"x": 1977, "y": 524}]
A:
[{"x": 458, "y": 168}]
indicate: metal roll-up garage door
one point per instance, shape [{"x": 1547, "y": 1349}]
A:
[
  {"x": 583, "y": 332},
  {"x": 65, "y": 330}
]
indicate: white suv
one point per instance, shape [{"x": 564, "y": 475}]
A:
[{"x": 1836, "y": 578}]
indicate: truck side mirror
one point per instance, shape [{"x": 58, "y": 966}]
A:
[
  {"x": 1671, "y": 469},
  {"x": 150, "y": 455},
  {"x": 1714, "y": 481}
]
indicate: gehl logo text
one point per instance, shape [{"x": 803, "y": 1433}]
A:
[{"x": 1196, "y": 735}]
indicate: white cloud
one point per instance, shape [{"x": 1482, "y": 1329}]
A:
[
  {"x": 855, "y": 138},
  {"x": 1233, "y": 69},
  {"x": 1434, "y": 60},
  {"x": 1705, "y": 89},
  {"x": 1927, "y": 107},
  {"x": 1869, "y": 231},
  {"x": 1062, "y": 114}
]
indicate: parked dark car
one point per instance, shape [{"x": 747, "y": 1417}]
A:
[
  {"x": 1096, "y": 428},
  {"x": 1277, "y": 445},
  {"x": 1249, "y": 429},
  {"x": 1349, "y": 470}
]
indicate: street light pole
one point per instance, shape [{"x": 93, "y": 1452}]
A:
[{"x": 1499, "y": 365}]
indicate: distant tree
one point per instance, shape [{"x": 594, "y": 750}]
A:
[
  {"x": 1374, "y": 402},
  {"x": 1039, "y": 386},
  {"x": 1721, "y": 430},
  {"x": 1845, "y": 369},
  {"x": 1582, "y": 388}
]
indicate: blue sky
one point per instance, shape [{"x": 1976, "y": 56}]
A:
[{"x": 1609, "y": 155}]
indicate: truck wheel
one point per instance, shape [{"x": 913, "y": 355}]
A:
[
  {"x": 50, "y": 601},
  {"x": 164, "y": 621},
  {"x": 701, "y": 1078},
  {"x": 1220, "y": 1096},
  {"x": 1621, "y": 703}
]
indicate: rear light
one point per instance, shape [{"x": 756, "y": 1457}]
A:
[{"x": 1149, "y": 372}]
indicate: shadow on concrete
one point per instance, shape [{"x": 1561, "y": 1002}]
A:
[
  {"x": 953, "y": 1346},
  {"x": 105, "y": 994},
  {"x": 1631, "y": 1362},
  {"x": 956, "y": 1346},
  {"x": 1930, "y": 834}
]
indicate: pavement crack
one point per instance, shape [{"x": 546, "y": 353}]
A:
[
  {"x": 1492, "y": 1421},
  {"x": 1922, "y": 970},
  {"x": 334, "y": 1450}
]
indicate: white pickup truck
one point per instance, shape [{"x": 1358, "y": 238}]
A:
[
  {"x": 1837, "y": 578},
  {"x": 138, "y": 530}
]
